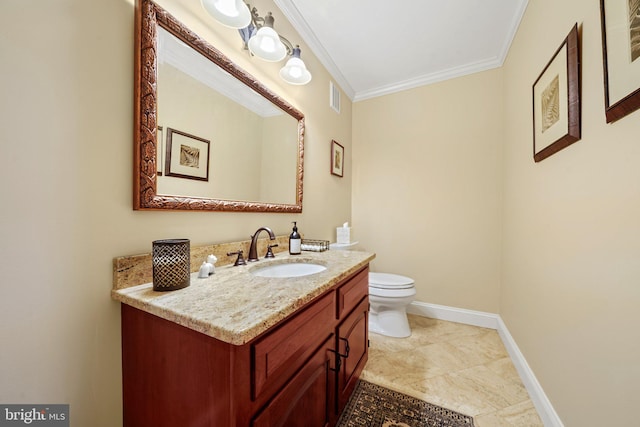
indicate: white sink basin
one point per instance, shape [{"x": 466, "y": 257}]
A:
[{"x": 292, "y": 269}]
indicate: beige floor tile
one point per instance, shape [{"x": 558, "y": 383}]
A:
[
  {"x": 454, "y": 392},
  {"x": 460, "y": 367},
  {"x": 504, "y": 369},
  {"x": 433, "y": 330},
  {"x": 521, "y": 415},
  {"x": 500, "y": 392}
]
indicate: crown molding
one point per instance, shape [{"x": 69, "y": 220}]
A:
[
  {"x": 426, "y": 79},
  {"x": 298, "y": 22}
]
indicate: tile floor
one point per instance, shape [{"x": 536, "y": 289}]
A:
[{"x": 461, "y": 367}]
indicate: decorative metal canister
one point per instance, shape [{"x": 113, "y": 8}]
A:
[{"x": 171, "y": 264}]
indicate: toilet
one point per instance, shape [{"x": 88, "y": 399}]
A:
[{"x": 389, "y": 296}]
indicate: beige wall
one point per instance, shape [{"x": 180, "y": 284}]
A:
[
  {"x": 234, "y": 133},
  {"x": 571, "y": 265},
  {"x": 444, "y": 190},
  {"x": 427, "y": 187},
  {"x": 278, "y": 166},
  {"x": 66, "y": 82}
]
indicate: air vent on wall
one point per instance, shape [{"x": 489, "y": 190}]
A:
[{"x": 334, "y": 97}]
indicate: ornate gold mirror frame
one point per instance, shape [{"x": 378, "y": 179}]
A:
[{"x": 148, "y": 17}]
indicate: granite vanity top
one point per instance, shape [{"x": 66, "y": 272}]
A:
[{"x": 235, "y": 306}]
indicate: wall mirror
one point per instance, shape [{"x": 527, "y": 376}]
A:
[{"x": 208, "y": 136}]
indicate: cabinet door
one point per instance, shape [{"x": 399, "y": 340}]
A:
[
  {"x": 306, "y": 400},
  {"x": 171, "y": 375},
  {"x": 352, "y": 342}
]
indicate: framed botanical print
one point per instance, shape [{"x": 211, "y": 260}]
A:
[
  {"x": 621, "y": 57},
  {"x": 337, "y": 159},
  {"x": 556, "y": 100},
  {"x": 187, "y": 156}
]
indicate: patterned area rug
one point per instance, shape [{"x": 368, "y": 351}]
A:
[{"x": 375, "y": 406}]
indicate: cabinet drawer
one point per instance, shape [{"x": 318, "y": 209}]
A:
[
  {"x": 352, "y": 292},
  {"x": 277, "y": 356}
]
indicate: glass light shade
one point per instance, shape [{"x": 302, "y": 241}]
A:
[
  {"x": 295, "y": 72},
  {"x": 266, "y": 44},
  {"x": 230, "y": 13}
]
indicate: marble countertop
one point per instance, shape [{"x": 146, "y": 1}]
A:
[{"x": 235, "y": 306}]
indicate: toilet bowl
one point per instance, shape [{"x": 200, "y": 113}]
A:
[{"x": 389, "y": 296}]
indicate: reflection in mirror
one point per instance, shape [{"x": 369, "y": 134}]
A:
[
  {"x": 253, "y": 144},
  {"x": 217, "y": 138}
]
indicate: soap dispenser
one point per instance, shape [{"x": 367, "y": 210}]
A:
[{"x": 294, "y": 241}]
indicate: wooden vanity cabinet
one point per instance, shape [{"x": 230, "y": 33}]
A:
[{"x": 300, "y": 372}]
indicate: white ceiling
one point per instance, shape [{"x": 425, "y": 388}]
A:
[{"x": 376, "y": 47}]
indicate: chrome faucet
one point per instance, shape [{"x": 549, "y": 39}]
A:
[{"x": 253, "y": 249}]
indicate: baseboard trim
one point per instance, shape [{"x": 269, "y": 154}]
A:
[
  {"x": 453, "y": 314},
  {"x": 539, "y": 398},
  {"x": 493, "y": 321}
]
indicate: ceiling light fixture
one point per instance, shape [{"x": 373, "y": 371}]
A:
[
  {"x": 259, "y": 37},
  {"x": 295, "y": 72},
  {"x": 230, "y": 13},
  {"x": 266, "y": 43}
]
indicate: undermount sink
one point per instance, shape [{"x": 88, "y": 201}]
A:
[{"x": 292, "y": 269}]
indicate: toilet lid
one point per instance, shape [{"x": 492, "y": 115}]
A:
[
  {"x": 391, "y": 293},
  {"x": 389, "y": 281}
]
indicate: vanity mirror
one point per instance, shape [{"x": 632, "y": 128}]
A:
[{"x": 208, "y": 136}]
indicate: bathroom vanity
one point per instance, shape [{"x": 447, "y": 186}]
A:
[{"x": 237, "y": 349}]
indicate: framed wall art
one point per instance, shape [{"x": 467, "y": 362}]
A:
[
  {"x": 556, "y": 100},
  {"x": 337, "y": 159},
  {"x": 621, "y": 57},
  {"x": 186, "y": 155}
]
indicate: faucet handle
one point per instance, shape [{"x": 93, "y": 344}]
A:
[
  {"x": 270, "y": 252},
  {"x": 240, "y": 260}
]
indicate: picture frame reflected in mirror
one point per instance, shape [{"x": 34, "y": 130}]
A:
[{"x": 187, "y": 156}]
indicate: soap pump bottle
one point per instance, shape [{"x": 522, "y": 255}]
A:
[{"x": 294, "y": 241}]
